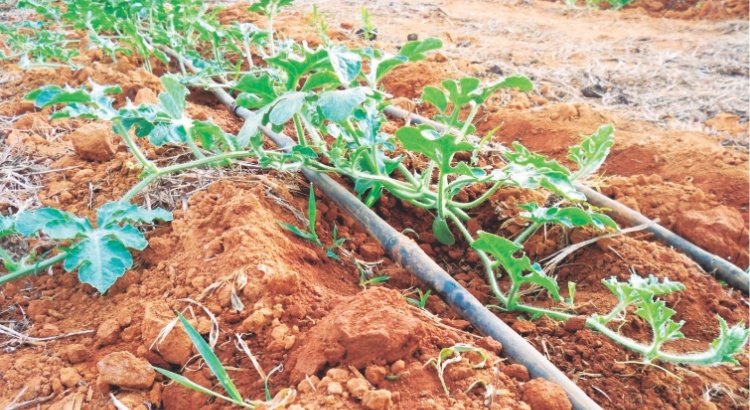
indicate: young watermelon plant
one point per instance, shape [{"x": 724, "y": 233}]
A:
[{"x": 100, "y": 254}]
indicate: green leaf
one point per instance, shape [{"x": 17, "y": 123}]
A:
[
  {"x": 295, "y": 68},
  {"x": 288, "y": 105},
  {"x": 415, "y": 50},
  {"x": 184, "y": 381},
  {"x": 436, "y": 97},
  {"x": 443, "y": 232},
  {"x": 346, "y": 64},
  {"x": 592, "y": 152},
  {"x": 211, "y": 359},
  {"x": 268, "y": 7},
  {"x": 631, "y": 291},
  {"x": 28, "y": 223},
  {"x": 730, "y": 342},
  {"x": 128, "y": 235},
  {"x": 502, "y": 251},
  {"x": 166, "y": 133},
  {"x": 658, "y": 316},
  {"x": 385, "y": 66},
  {"x": 312, "y": 214},
  {"x": 260, "y": 88},
  {"x": 460, "y": 93},
  {"x": 322, "y": 79},
  {"x": 463, "y": 169},
  {"x": 212, "y": 137},
  {"x": 7, "y": 225},
  {"x": 173, "y": 99},
  {"x": 120, "y": 212},
  {"x": 69, "y": 227},
  {"x": 523, "y": 156},
  {"x": 52, "y": 94},
  {"x": 100, "y": 261},
  {"x": 516, "y": 81},
  {"x": 250, "y": 132},
  {"x": 425, "y": 140},
  {"x": 293, "y": 229},
  {"x": 338, "y": 105},
  {"x": 529, "y": 170},
  {"x": 568, "y": 217}
]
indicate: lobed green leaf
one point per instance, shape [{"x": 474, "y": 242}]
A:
[
  {"x": 100, "y": 260},
  {"x": 415, "y": 50},
  {"x": 338, "y": 105},
  {"x": 592, "y": 152},
  {"x": 568, "y": 217},
  {"x": 502, "y": 250}
]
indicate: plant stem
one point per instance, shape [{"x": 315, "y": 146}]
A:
[
  {"x": 191, "y": 144},
  {"x": 467, "y": 123},
  {"x": 527, "y": 232},
  {"x": 146, "y": 181},
  {"x": 147, "y": 165},
  {"x": 481, "y": 199},
  {"x": 300, "y": 130},
  {"x": 31, "y": 269},
  {"x": 488, "y": 267},
  {"x": 442, "y": 179},
  {"x": 9, "y": 263}
]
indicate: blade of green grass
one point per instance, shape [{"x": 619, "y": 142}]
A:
[
  {"x": 211, "y": 360},
  {"x": 180, "y": 379}
]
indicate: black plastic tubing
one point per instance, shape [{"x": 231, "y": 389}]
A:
[
  {"x": 406, "y": 252},
  {"x": 711, "y": 263}
]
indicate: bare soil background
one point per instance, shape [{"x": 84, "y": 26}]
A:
[{"x": 676, "y": 91}]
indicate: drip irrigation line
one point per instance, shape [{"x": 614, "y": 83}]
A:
[
  {"x": 726, "y": 271},
  {"x": 711, "y": 263},
  {"x": 406, "y": 252}
]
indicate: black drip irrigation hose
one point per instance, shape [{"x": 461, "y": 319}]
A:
[
  {"x": 728, "y": 272},
  {"x": 406, "y": 252}
]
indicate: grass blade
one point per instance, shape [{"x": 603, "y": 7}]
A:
[
  {"x": 182, "y": 380},
  {"x": 211, "y": 360}
]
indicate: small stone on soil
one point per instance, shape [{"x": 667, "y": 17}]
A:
[
  {"x": 575, "y": 324},
  {"x": 490, "y": 344},
  {"x": 517, "y": 371},
  {"x": 281, "y": 282},
  {"x": 308, "y": 385},
  {"x": 108, "y": 332},
  {"x": 540, "y": 394},
  {"x": 93, "y": 142},
  {"x": 357, "y": 387},
  {"x": 398, "y": 367},
  {"x": 371, "y": 251},
  {"x": 524, "y": 328},
  {"x": 176, "y": 348},
  {"x": 69, "y": 377},
  {"x": 258, "y": 320},
  {"x": 48, "y": 330},
  {"x": 125, "y": 370},
  {"x": 75, "y": 353},
  {"x": 337, "y": 374},
  {"x": 375, "y": 374},
  {"x": 377, "y": 400}
]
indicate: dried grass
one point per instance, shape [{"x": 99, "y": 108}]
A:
[{"x": 20, "y": 174}]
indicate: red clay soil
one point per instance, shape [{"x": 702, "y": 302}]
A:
[{"x": 225, "y": 256}]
